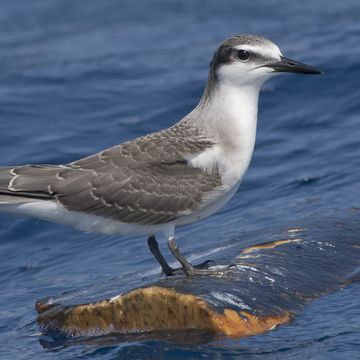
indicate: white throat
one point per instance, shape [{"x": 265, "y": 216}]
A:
[{"x": 229, "y": 118}]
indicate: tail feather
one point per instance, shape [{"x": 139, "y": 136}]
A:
[
  {"x": 26, "y": 183},
  {"x": 12, "y": 200},
  {"x": 5, "y": 178}
]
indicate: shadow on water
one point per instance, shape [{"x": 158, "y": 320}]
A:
[{"x": 56, "y": 342}]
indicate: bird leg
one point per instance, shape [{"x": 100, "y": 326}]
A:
[
  {"x": 154, "y": 248},
  {"x": 166, "y": 268},
  {"x": 189, "y": 269}
]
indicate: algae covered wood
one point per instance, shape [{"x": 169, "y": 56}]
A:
[{"x": 275, "y": 277}]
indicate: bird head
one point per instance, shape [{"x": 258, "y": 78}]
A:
[{"x": 252, "y": 59}]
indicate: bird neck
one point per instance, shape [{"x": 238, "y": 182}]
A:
[
  {"x": 229, "y": 113},
  {"x": 228, "y": 117}
]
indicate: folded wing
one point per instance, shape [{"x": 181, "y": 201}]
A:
[{"x": 145, "y": 181}]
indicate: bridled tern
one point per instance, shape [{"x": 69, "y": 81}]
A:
[{"x": 162, "y": 180}]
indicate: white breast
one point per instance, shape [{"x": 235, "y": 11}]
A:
[{"x": 229, "y": 119}]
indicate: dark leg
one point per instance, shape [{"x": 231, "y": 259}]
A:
[
  {"x": 188, "y": 269},
  {"x": 154, "y": 248},
  {"x": 166, "y": 268}
]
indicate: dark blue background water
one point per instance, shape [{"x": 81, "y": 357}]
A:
[{"x": 79, "y": 76}]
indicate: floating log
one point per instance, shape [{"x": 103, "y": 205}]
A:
[{"x": 272, "y": 282}]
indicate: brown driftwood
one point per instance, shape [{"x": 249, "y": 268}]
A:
[{"x": 273, "y": 281}]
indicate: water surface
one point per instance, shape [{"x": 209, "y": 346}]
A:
[{"x": 77, "y": 77}]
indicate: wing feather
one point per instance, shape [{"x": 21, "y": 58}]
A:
[{"x": 146, "y": 181}]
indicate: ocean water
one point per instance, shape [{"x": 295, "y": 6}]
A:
[{"x": 80, "y": 76}]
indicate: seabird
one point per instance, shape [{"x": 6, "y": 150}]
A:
[{"x": 165, "y": 179}]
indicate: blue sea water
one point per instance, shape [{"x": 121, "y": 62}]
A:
[{"x": 80, "y": 76}]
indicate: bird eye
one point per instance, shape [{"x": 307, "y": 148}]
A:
[{"x": 243, "y": 55}]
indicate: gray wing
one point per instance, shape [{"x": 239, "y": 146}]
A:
[{"x": 145, "y": 181}]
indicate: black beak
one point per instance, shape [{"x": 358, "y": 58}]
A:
[{"x": 288, "y": 65}]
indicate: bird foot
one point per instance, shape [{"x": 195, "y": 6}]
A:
[
  {"x": 210, "y": 271},
  {"x": 200, "y": 267}
]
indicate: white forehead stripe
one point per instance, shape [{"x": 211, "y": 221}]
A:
[{"x": 267, "y": 49}]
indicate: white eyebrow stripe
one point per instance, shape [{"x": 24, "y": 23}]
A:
[{"x": 267, "y": 51}]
